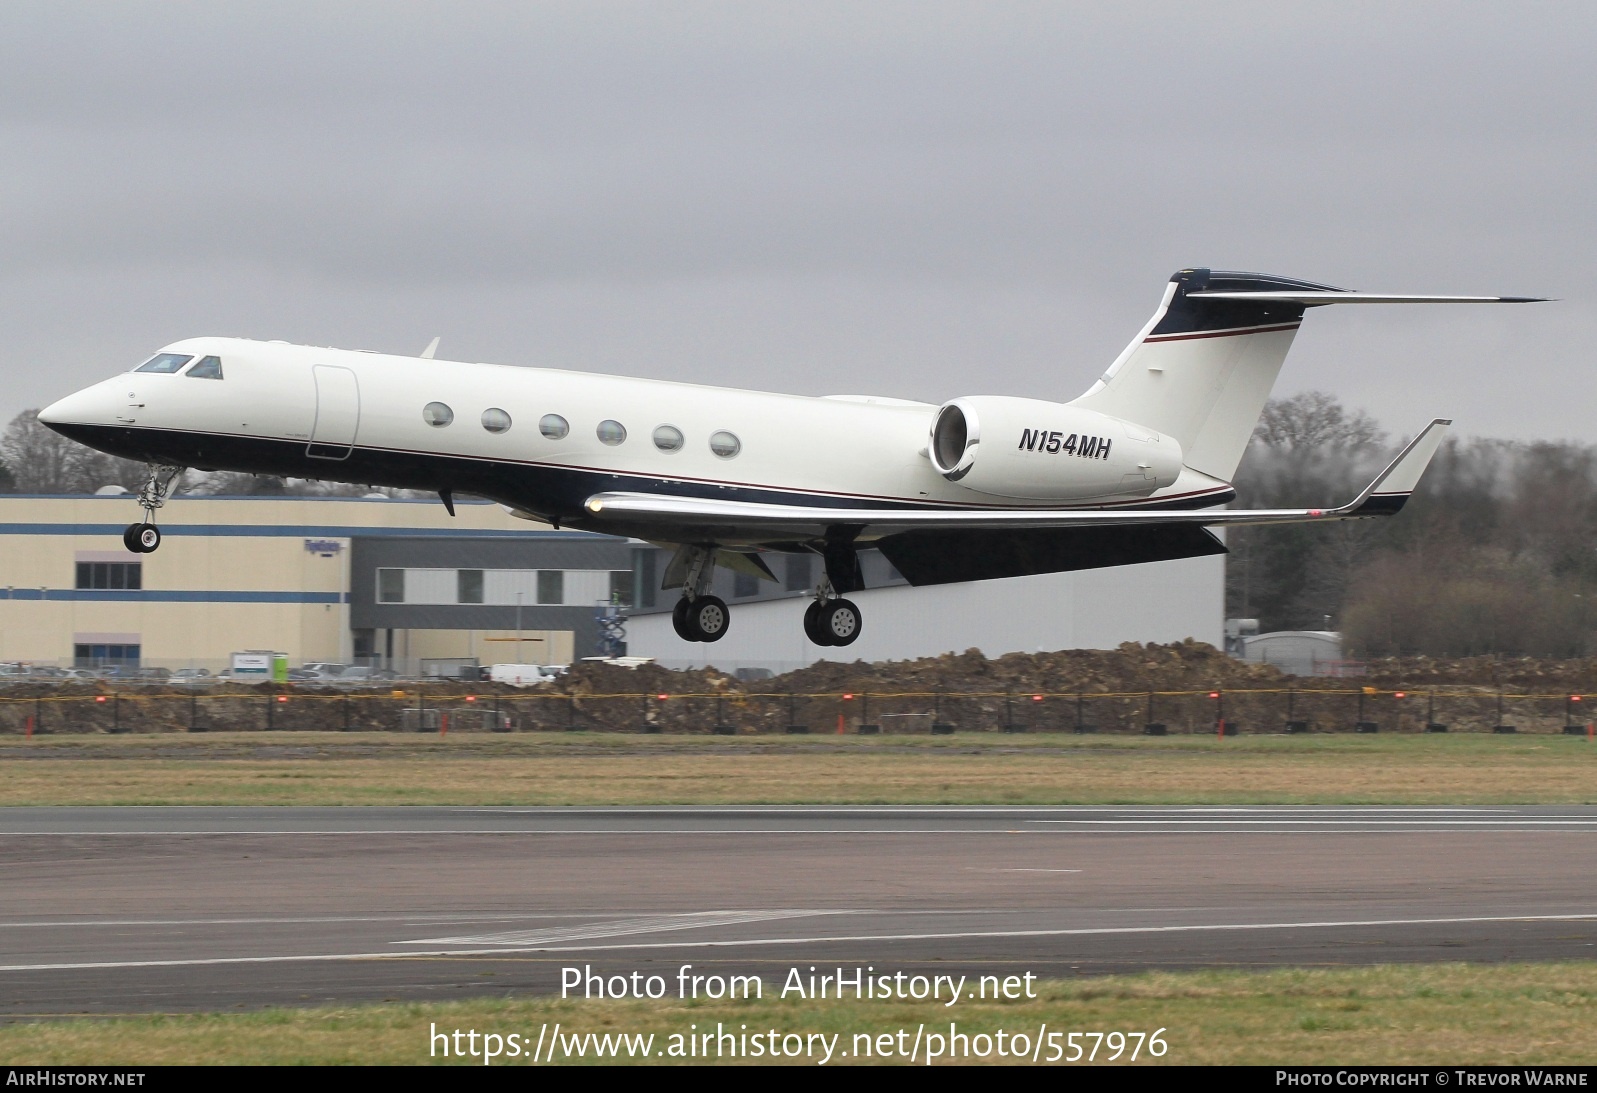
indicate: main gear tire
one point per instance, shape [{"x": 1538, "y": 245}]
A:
[
  {"x": 812, "y": 623},
  {"x": 682, "y": 621}
]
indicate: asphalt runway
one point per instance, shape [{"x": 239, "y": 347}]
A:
[{"x": 171, "y": 909}]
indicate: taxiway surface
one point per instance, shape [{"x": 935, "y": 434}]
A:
[{"x": 141, "y": 909}]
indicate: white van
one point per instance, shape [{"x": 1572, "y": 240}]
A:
[{"x": 519, "y": 675}]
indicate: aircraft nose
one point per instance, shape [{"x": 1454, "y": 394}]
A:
[{"x": 85, "y": 407}]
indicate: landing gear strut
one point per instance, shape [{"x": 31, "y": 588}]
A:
[
  {"x": 699, "y": 616},
  {"x": 830, "y": 619},
  {"x": 144, "y": 537}
]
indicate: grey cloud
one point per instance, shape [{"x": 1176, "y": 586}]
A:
[{"x": 800, "y": 196}]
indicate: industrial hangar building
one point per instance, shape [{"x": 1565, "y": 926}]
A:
[
  {"x": 399, "y": 582},
  {"x": 355, "y": 580}
]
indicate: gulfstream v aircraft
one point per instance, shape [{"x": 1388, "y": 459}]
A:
[{"x": 982, "y": 486}]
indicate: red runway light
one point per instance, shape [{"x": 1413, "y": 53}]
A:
[
  {"x": 471, "y": 698},
  {"x": 282, "y": 698},
  {"x": 1214, "y": 694},
  {"x": 1400, "y": 694},
  {"x": 662, "y": 698},
  {"x": 1574, "y": 698},
  {"x": 847, "y": 697},
  {"x": 99, "y": 698},
  {"x": 1036, "y": 698}
]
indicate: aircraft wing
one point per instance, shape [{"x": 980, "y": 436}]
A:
[{"x": 711, "y": 518}]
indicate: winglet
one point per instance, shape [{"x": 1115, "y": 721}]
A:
[
  {"x": 432, "y": 347},
  {"x": 1391, "y": 488}
]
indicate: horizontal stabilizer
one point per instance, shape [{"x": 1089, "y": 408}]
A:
[{"x": 1315, "y": 299}]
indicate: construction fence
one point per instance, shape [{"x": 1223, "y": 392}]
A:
[{"x": 415, "y": 708}]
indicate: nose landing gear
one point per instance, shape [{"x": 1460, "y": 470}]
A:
[{"x": 144, "y": 537}]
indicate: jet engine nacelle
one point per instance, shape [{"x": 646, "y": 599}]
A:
[{"x": 1020, "y": 447}]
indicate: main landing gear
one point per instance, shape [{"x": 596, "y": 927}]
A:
[
  {"x": 703, "y": 618},
  {"x": 830, "y": 619},
  {"x": 144, "y": 537},
  {"x": 698, "y": 615}
]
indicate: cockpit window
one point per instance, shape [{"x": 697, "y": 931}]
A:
[
  {"x": 209, "y": 368},
  {"x": 164, "y": 362}
]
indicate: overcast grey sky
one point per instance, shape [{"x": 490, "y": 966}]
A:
[{"x": 914, "y": 199}]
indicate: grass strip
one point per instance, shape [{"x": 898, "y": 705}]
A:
[
  {"x": 612, "y": 769},
  {"x": 1396, "y": 1014}
]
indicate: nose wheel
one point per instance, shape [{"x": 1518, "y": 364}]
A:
[{"x": 141, "y": 538}]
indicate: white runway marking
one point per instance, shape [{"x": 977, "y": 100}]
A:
[
  {"x": 1173, "y": 826},
  {"x": 693, "y": 920},
  {"x": 1283, "y": 821},
  {"x": 419, "y": 918},
  {"x": 835, "y": 939},
  {"x": 962, "y": 810}
]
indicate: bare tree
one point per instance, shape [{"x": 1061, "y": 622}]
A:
[{"x": 1316, "y": 420}]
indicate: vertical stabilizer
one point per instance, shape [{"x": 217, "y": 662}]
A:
[{"x": 1201, "y": 369}]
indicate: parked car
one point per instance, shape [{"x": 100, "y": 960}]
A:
[
  {"x": 154, "y": 675},
  {"x": 330, "y": 669},
  {"x": 193, "y": 676},
  {"x": 361, "y": 674},
  {"x": 520, "y": 675},
  {"x": 312, "y": 675}
]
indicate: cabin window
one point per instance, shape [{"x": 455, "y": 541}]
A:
[
  {"x": 611, "y": 432},
  {"x": 724, "y": 444},
  {"x": 554, "y": 426},
  {"x": 165, "y": 362},
  {"x": 437, "y": 414},
  {"x": 209, "y": 368},
  {"x": 495, "y": 420},
  {"x": 668, "y": 438}
]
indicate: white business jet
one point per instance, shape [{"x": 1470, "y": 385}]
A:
[{"x": 983, "y": 486}]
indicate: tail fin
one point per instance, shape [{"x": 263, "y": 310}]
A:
[{"x": 1203, "y": 367}]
